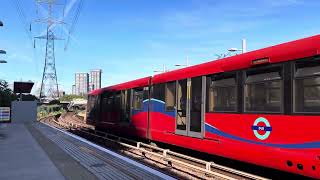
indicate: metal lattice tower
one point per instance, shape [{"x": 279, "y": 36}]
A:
[{"x": 49, "y": 84}]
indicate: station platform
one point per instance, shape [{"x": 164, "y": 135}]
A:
[{"x": 33, "y": 150}]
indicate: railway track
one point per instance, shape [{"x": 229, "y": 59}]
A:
[{"x": 171, "y": 162}]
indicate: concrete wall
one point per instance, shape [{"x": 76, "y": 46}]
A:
[{"x": 23, "y": 111}]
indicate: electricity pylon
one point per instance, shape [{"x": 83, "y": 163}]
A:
[{"x": 49, "y": 84}]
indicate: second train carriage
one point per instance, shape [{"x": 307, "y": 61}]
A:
[{"x": 260, "y": 107}]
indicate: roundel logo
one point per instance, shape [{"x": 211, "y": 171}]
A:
[{"x": 261, "y": 128}]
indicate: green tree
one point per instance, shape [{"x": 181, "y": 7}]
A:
[{"x": 6, "y": 94}]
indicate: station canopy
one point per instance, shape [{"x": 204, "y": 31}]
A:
[{"x": 22, "y": 87}]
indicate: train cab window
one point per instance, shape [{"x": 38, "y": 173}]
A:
[
  {"x": 91, "y": 108},
  {"x": 137, "y": 99},
  {"x": 158, "y": 92},
  {"x": 307, "y": 87},
  {"x": 263, "y": 90},
  {"x": 91, "y": 102},
  {"x": 222, "y": 93},
  {"x": 170, "y": 96}
]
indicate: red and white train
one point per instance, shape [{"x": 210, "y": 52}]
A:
[{"x": 260, "y": 107}]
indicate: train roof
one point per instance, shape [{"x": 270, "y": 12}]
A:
[
  {"x": 96, "y": 91},
  {"x": 142, "y": 82},
  {"x": 301, "y": 48},
  {"x": 131, "y": 84},
  {"x": 292, "y": 50}
]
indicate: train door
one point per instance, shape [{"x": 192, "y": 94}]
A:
[
  {"x": 181, "y": 114},
  {"x": 190, "y": 107},
  {"x": 196, "y": 106},
  {"x": 128, "y": 110}
]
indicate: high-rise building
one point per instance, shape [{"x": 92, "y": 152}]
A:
[
  {"x": 73, "y": 89},
  {"x": 95, "y": 79},
  {"x": 81, "y": 83}
]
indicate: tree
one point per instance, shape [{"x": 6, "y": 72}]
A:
[
  {"x": 71, "y": 97},
  {"x": 29, "y": 97},
  {"x": 6, "y": 94}
]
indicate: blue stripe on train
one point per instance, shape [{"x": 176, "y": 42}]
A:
[
  {"x": 159, "y": 106},
  {"x": 155, "y": 106},
  {"x": 216, "y": 131}
]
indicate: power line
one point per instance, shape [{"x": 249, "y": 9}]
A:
[
  {"x": 49, "y": 85},
  {"x": 74, "y": 22},
  {"x": 22, "y": 17}
]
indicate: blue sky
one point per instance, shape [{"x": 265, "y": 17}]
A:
[{"x": 130, "y": 39}]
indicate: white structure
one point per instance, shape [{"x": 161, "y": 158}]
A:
[{"x": 244, "y": 46}]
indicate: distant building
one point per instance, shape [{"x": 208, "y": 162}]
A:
[
  {"x": 83, "y": 86},
  {"x": 81, "y": 83},
  {"x": 95, "y": 79},
  {"x": 73, "y": 89}
]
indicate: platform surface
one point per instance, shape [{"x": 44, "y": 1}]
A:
[
  {"x": 21, "y": 157},
  {"x": 36, "y": 151}
]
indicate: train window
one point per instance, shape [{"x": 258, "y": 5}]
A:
[
  {"x": 158, "y": 92},
  {"x": 307, "y": 87},
  {"x": 127, "y": 110},
  {"x": 97, "y": 105},
  {"x": 222, "y": 93},
  {"x": 263, "y": 90},
  {"x": 91, "y": 109},
  {"x": 145, "y": 93},
  {"x": 170, "y": 96},
  {"x": 117, "y": 101},
  {"x": 104, "y": 103},
  {"x": 123, "y": 100},
  {"x": 91, "y": 101},
  {"x": 123, "y": 105},
  {"x": 137, "y": 99},
  {"x": 110, "y": 103}
]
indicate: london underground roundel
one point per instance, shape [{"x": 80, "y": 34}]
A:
[{"x": 261, "y": 128}]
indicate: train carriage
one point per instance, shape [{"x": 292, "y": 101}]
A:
[
  {"x": 121, "y": 108},
  {"x": 260, "y": 107},
  {"x": 93, "y": 107}
]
